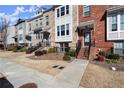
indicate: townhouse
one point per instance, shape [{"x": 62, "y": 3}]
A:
[
  {"x": 20, "y": 32},
  {"x": 115, "y": 28},
  {"x": 66, "y": 22},
  {"x": 41, "y": 28},
  {"x": 10, "y": 35},
  {"x": 92, "y": 31}
]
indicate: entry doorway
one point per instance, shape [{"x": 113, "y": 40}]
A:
[
  {"x": 64, "y": 47},
  {"x": 87, "y": 38}
]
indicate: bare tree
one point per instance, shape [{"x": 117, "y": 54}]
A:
[{"x": 4, "y": 24}]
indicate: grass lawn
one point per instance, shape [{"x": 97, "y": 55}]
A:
[{"x": 99, "y": 75}]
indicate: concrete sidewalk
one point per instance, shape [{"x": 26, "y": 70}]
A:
[{"x": 67, "y": 78}]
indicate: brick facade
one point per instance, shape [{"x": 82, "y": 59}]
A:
[{"x": 98, "y": 33}]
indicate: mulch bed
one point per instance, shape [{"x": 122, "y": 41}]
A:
[
  {"x": 48, "y": 56},
  {"x": 119, "y": 66}
]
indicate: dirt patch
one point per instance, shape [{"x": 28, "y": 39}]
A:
[{"x": 98, "y": 75}]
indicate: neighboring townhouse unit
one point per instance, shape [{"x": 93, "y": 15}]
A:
[
  {"x": 42, "y": 28},
  {"x": 92, "y": 31},
  {"x": 10, "y": 35},
  {"x": 115, "y": 28},
  {"x": 20, "y": 32},
  {"x": 66, "y": 22}
]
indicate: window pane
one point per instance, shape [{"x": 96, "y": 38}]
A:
[
  {"x": 62, "y": 30},
  {"x": 62, "y": 11},
  {"x": 114, "y": 27},
  {"x": 86, "y": 10},
  {"x": 122, "y": 26},
  {"x": 67, "y": 29},
  {"x": 58, "y": 32},
  {"x": 67, "y": 9},
  {"x": 114, "y": 19},
  {"x": 57, "y": 12},
  {"x": 122, "y": 21}
]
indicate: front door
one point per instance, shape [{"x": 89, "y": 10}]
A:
[{"x": 87, "y": 39}]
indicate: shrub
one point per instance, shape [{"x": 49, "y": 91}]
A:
[
  {"x": 10, "y": 48},
  {"x": 23, "y": 50},
  {"x": 103, "y": 53},
  {"x": 72, "y": 52},
  {"x": 44, "y": 51},
  {"x": 66, "y": 58},
  {"x": 111, "y": 61},
  {"x": 15, "y": 49},
  {"x": 114, "y": 56},
  {"x": 38, "y": 53},
  {"x": 51, "y": 50}
]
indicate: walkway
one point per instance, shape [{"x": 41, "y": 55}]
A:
[{"x": 67, "y": 78}]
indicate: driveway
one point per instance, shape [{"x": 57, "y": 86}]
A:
[{"x": 18, "y": 75}]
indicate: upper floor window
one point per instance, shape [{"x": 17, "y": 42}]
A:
[
  {"x": 47, "y": 20},
  {"x": 58, "y": 31},
  {"x": 29, "y": 27},
  {"x": 20, "y": 26},
  {"x": 67, "y": 29},
  {"x": 62, "y": 30},
  {"x": 62, "y": 11},
  {"x": 114, "y": 23},
  {"x": 36, "y": 24},
  {"x": 20, "y": 37},
  {"x": 57, "y": 12},
  {"x": 86, "y": 10},
  {"x": 67, "y": 9},
  {"x": 122, "y": 21}
]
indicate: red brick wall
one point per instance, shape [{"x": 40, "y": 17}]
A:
[{"x": 98, "y": 14}]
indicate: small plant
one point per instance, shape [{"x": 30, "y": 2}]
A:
[
  {"x": 114, "y": 56},
  {"x": 15, "y": 49},
  {"x": 111, "y": 61},
  {"x": 72, "y": 52},
  {"x": 23, "y": 50},
  {"x": 44, "y": 51},
  {"x": 66, "y": 58},
  {"x": 108, "y": 61},
  {"x": 103, "y": 53},
  {"x": 38, "y": 53},
  {"x": 51, "y": 50}
]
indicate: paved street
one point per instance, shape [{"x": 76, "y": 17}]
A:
[{"x": 19, "y": 75}]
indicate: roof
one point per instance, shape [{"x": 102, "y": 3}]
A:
[
  {"x": 115, "y": 8},
  {"x": 52, "y": 8},
  {"x": 19, "y": 21}
]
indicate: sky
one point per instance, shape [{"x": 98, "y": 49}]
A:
[{"x": 14, "y": 12}]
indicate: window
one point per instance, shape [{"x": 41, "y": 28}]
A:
[
  {"x": 62, "y": 30},
  {"x": 20, "y": 37},
  {"x": 86, "y": 10},
  {"x": 62, "y": 11},
  {"x": 29, "y": 27},
  {"x": 36, "y": 25},
  {"x": 119, "y": 48},
  {"x": 67, "y": 29},
  {"x": 67, "y": 9},
  {"x": 114, "y": 23},
  {"x": 57, "y": 12},
  {"x": 122, "y": 21},
  {"x": 41, "y": 23},
  {"x": 39, "y": 36},
  {"x": 20, "y": 26},
  {"x": 58, "y": 31},
  {"x": 47, "y": 20}
]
